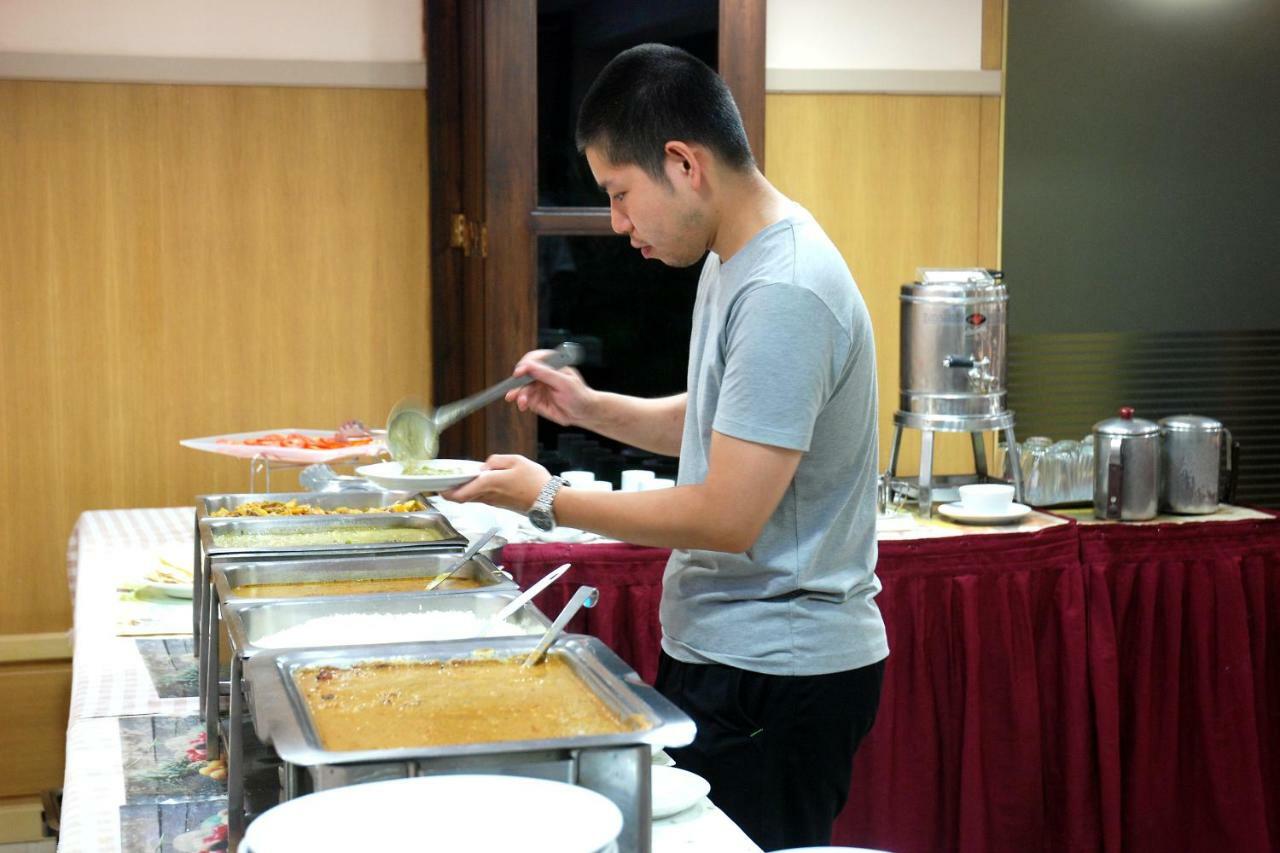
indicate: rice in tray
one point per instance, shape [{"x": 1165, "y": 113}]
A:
[{"x": 359, "y": 628}]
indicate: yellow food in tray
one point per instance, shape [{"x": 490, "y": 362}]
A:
[
  {"x": 334, "y": 536},
  {"x": 401, "y": 704},
  {"x": 364, "y": 586},
  {"x": 292, "y": 507}
]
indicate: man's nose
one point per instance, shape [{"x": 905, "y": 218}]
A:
[{"x": 619, "y": 221}]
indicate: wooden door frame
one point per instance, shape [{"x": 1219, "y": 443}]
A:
[{"x": 483, "y": 110}]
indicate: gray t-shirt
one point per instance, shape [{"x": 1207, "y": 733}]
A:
[{"x": 782, "y": 354}]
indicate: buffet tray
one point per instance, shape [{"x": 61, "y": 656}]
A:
[
  {"x": 206, "y": 552},
  {"x": 257, "y": 526},
  {"x": 206, "y": 505},
  {"x": 250, "y": 620},
  {"x": 228, "y": 574},
  {"x": 615, "y": 765},
  {"x": 282, "y": 719}
]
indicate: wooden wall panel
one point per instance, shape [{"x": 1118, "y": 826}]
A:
[
  {"x": 178, "y": 261},
  {"x": 898, "y": 182}
]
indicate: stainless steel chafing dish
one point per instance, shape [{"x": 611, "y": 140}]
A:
[
  {"x": 251, "y": 620},
  {"x": 225, "y": 575},
  {"x": 616, "y": 765},
  {"x": 208, "y": 553},
  {"x": 208, "y": 504},
  {"x": 205, "y": 630}
]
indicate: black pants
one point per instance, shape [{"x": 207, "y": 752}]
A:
[{"x": 777, "y": 750}]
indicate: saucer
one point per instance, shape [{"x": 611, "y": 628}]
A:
[{"x": 956, "y": 512}]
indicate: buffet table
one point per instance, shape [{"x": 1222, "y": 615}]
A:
[
  {"x": 134, "y": 739},
  {"x": 1055, "y": 685}
]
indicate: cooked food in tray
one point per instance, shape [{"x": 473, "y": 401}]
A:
[
  {"x": 326, "y": 536},
  {"x": 396, "y": 704},
  {"x": 363, "y": 586},
  {"x": 293, "y": 507}
]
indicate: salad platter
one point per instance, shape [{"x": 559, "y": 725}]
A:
[{"x": 290, "y": 444}]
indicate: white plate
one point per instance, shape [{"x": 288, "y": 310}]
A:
[
  {"x": 956, "y": 512},
  {"x": 391, "y": 476},
  {"x": 173, "y": 590},
  {"x": 441, "y": 813},
  {"x": 675, "y": 790}
]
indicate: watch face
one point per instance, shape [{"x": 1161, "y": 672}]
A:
[{"x": 541, "y": 519}]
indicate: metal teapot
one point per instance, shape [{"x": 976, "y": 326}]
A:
[
  {"x": 1126, "y": 468},
  {"x": 1191, "y": 453}
]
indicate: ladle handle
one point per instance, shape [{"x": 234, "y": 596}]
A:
[
  {"x": 586, "y": 596},
  {"x": 565, "y": 355},
  {"x": 470, "y": 552},
  {"x": 527, "y": 596}
]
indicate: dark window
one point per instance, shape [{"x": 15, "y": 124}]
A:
[{"x": 576, "y": 39}]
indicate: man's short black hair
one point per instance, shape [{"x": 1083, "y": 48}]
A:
[{"x": 651, "y": 94}]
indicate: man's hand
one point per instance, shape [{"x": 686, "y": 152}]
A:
[
  {"x": 508, "y": 481},
  {"x": 557, "y": 395}
]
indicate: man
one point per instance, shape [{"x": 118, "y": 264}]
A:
[{"x": 772, "y": 642}]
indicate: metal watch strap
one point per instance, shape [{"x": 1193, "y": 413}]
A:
[{"x": 547, "y": 495}]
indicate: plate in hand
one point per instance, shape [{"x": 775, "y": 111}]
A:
[{"x": 439, "y": 474}]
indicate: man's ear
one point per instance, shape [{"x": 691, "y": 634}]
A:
[{"x": 684, "y": 163}]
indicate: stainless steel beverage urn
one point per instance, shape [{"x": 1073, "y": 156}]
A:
[
  {"x": 952, "y": 359},
  {"x": 1126, "y": 468},
  {"x": 1191, "y": 453}
]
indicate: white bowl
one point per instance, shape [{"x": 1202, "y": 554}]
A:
[{"x": 987, "y": 498}]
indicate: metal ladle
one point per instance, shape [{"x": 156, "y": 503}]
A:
[
  {"x": 472, "y": 549},
  {"x": 414, "y": 427},
  {"x": 586, "y": 596}
]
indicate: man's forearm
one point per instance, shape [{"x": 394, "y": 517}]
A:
[{"x": 650, "y": 424}]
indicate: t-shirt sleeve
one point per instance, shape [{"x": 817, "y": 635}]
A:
[{"x": 784, "y": 354}]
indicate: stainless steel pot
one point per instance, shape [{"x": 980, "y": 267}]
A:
[
  {"x": 953, "y": 344},
  {"x": 1191, "y": 453},
  {"x": 1126, "y": 468}
]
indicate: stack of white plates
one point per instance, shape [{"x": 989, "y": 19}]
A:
[{"x": 442, "y": 814}]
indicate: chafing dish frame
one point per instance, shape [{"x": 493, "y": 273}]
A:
[
  {"x": 615, "y": 765},
  {"x": 240, "y": 614},
  {"x": 203, "y": 611},
  {"x": 208, "y": 504},
  {"x": 224, "y": 572}
]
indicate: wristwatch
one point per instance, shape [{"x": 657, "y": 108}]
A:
[{"x": 540, "y": 514}]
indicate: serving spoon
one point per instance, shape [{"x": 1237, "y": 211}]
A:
[
  {"x": 472, "y": 549},
  {"x": 586, "y": 596},
  {"x": 523, "y": 598},
  {"x": 414, "y": 427}
]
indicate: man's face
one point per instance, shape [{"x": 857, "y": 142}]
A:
[{"x": 664, "y": 221}]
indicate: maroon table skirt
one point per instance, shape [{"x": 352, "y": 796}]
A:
[
  {"x": 1085, "y": 687},
  {"x": 983, "y": 738},
  {"x": 1184, "y": 657}
]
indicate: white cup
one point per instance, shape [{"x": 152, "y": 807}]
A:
[
  {"x": 598, "y": 486},
  {"x": 578, "y": 478},
  {"x": 657, "y": 483},
  {"x": 633, "y": 480},
  {"x": 987, "y": 498}
]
